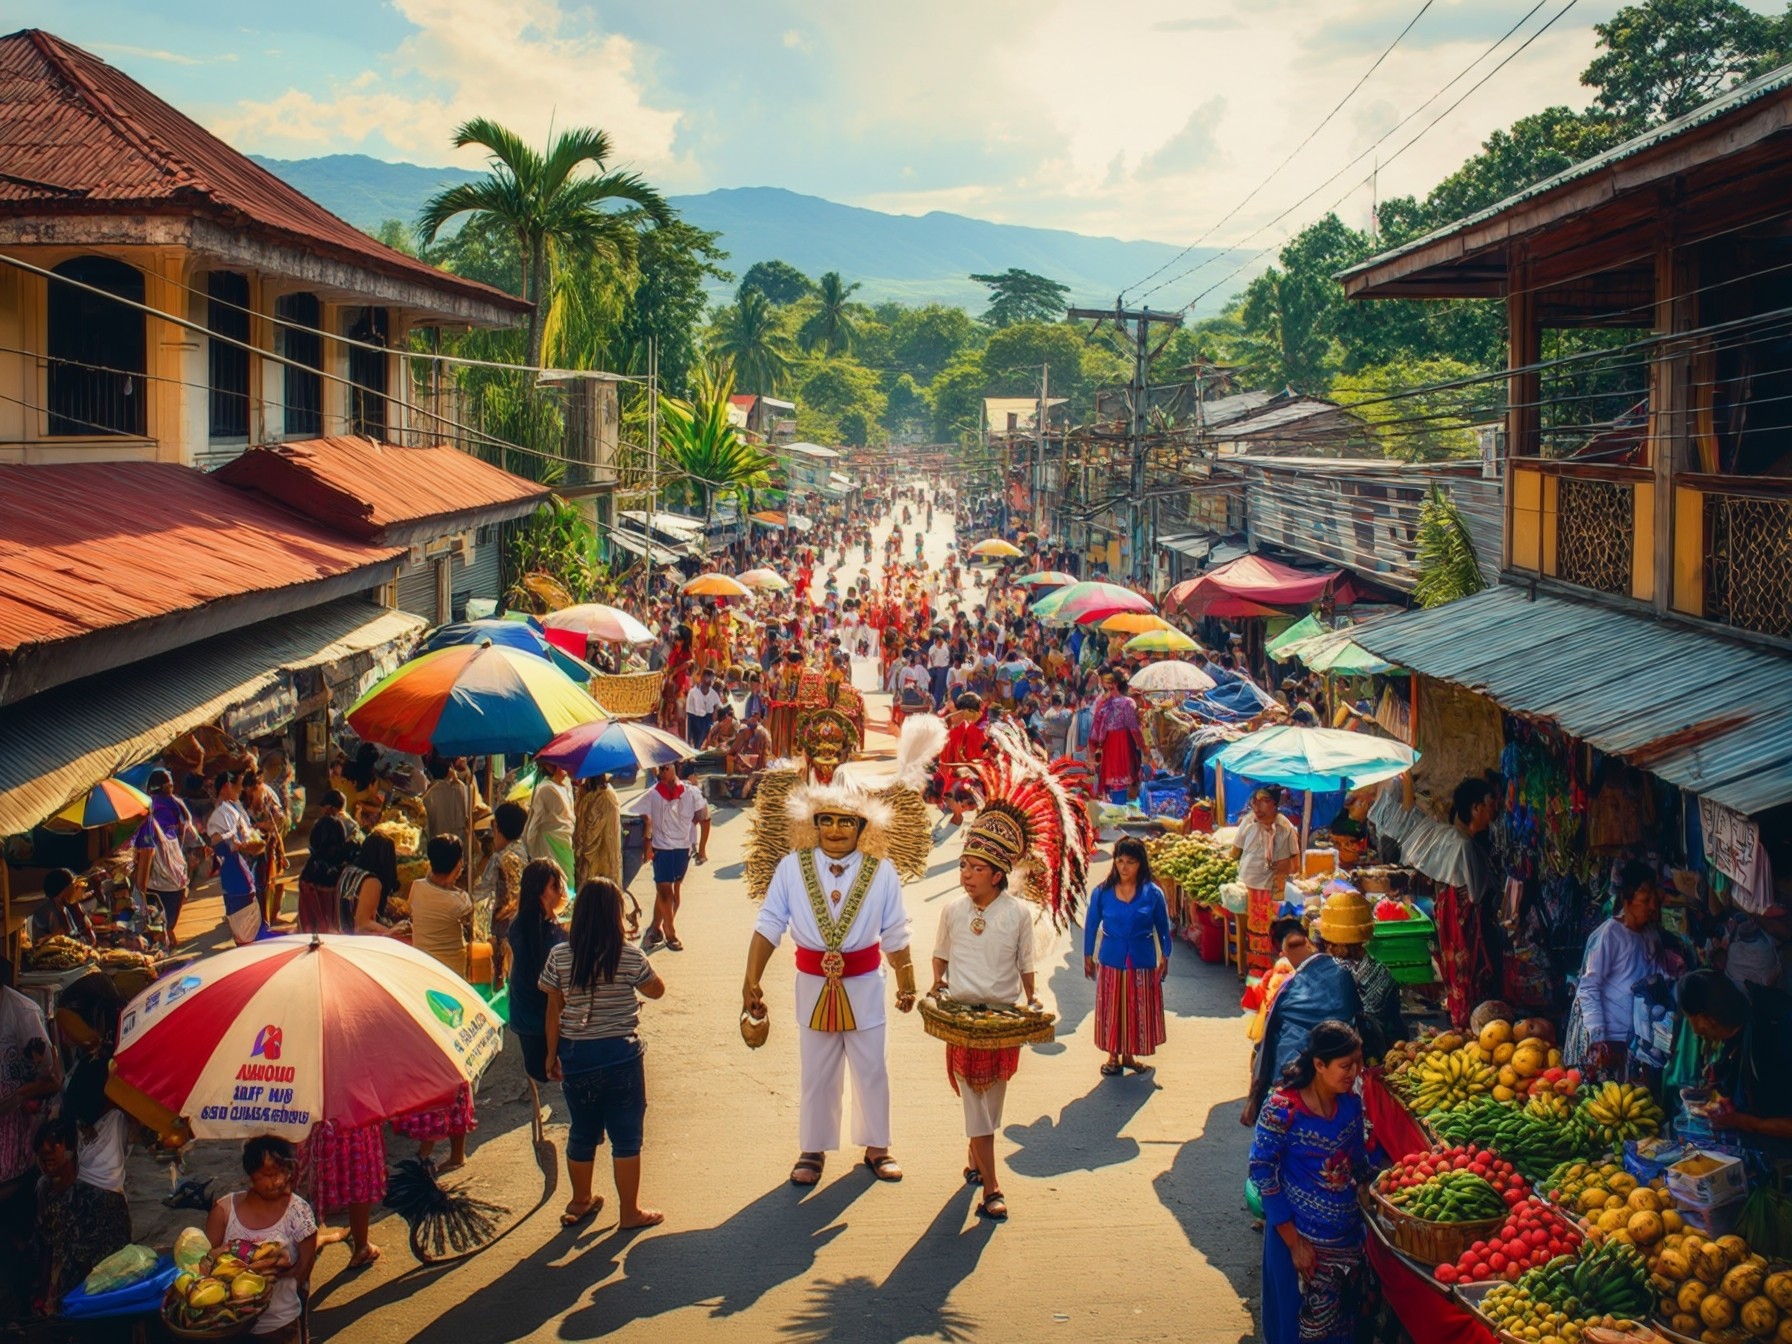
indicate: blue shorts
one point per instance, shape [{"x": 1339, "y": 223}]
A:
[
  {"x": 670, "y": 865},
  {"x": 608, "y": 1101}
]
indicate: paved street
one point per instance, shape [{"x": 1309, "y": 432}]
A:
[{"x": 1126, "y": 1194}]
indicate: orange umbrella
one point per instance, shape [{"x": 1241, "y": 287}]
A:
[
  {"x": 717, "y": 585},
  {"x": 1134, "y": 623}
]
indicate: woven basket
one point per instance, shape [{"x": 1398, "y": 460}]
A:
[
  {"x": 628, "y": 694},
  {"x": 1427, "y": 1242},
  {"x": 994, "y": 1029},
  {"x": 244, "y": 1315}
]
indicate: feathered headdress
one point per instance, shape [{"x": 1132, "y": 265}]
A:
[
  {"x": 1031, "y": 823},
  {"x": 807, "y": 801}
]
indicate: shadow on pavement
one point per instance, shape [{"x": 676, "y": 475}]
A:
[
  {"x": 1086, "y": 1134},
  {"x": 1204, "y": 1191},
  {"x": 911, "y": 1303}
]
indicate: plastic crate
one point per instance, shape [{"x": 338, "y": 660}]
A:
[{"x": 1414, "y": 974}]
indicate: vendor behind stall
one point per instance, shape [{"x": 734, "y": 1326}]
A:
[
  {"x": 62, "y": 913},
  {"x": 1752, "y": 1028},
  {"x": 1321, "y": 988}
]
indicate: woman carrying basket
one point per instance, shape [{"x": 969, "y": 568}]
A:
[{"x": 1030, "y": 829}]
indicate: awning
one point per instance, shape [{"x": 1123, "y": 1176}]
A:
[
  {"x": 66, "y": 739},
  {"x": 636, "y": 544},
  {"x": 1711, "y": 716},
  {"x": 1253, "y": 583},
  {"x": 1193, "y": 545}
]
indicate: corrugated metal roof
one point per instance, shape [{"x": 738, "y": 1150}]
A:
[
  {"x": 67, "y": 739},
  {"x": 77, "y": 136},
  {"x": 1702, "y": 712},
  {"x": 375, "y": 490},
  {"x": 1722, "y": 105},
  {"x": 92, "y": 546},
  {"x": 1295, "y": 412}
]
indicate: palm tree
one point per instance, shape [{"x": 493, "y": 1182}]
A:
[
  {"x": 1448, "y": 568},
  {"x": 552, "y": 213},
  {"x": 708, "y": 451},
  {"x": 752, "y": 338},
  {"x": 830, "y": 326}
]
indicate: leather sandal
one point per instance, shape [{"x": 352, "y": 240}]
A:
[
  {"x": 879, "y": 1164},
  {"x": 994, "y": 1207},
  {"x": 807, "y": 1162}
]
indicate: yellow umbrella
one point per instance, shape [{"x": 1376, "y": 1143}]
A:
[
  {"x": 1134, "y": 623},
  {"x": 1161, "y": 641},
  {"x": 996, "y": 549},
  {"x": 764, "y": 578},
  {"x": 717, "y": 585}
]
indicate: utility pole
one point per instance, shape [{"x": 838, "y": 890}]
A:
[
  {"x": 653, "y": 441},
  {"x": 1136, "y": 323},
  {"x": 1041, "y": 518}
]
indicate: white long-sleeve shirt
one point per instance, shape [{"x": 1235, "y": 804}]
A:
[
  {"x": 881, "y": 919},
  {"x": 1617, "y": 957}
]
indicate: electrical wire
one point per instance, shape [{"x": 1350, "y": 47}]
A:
[{"x": 1277, "y": 170}]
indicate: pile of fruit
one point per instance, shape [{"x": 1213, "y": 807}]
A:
[
  {"x": 1557, "y": 1301},
  {"x": 1533, "y": 1234},
  {"x": 58, "y": 953},
  {"x": 405, "y": 837},
  {"x": 1451, "y": 1185},
  {"x": 1437, "y": 1083},
  {"x": 1197, "y": 863},
  {"x": 1716, "y": 1291},
  {"x": 1388, "y": 912},
  {"x": 1620, "y": 1111},
  {"x": 223, "y": 1290},
  {"x": 1607, "y": 1196},
  {"x": 1534, "y": 1144}
]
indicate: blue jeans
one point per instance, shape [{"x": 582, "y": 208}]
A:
[{"x": 603, "y": 1098}]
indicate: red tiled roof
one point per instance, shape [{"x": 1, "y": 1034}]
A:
[
  {"x": 92, "y": 546},
  {"x": 77, "y": 136},
  {"x": 375, "y": 490},
  {"x": 743, "y": 399}
]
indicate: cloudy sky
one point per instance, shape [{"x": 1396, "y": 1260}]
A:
[{"x": 1139, "y": 119}]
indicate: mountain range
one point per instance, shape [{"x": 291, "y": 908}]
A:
[{"x": 910, "y": 258}]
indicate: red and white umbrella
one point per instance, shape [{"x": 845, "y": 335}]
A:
[
  {"x": 276, "y": 1036},
  {"x": 607, "y": 625}
]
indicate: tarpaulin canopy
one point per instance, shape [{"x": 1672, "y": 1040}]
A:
[
  {"x": 1316, "y": 758},
  {"x": 1305, "y": 628},
  {"x": 1257, "y": 582}
]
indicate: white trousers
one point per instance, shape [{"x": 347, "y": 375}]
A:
[
  {"x": 826, "y": 1055},
  {"x": 982, "y": 1110}
]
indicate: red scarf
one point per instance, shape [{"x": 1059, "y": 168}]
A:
[{"x": 670, "y": 791}]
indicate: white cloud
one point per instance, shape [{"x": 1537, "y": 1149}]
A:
[
  {"x": 156, "y": 54},
  {"x": 530, "y": 66},
  {"x": 795, "y": 41}
]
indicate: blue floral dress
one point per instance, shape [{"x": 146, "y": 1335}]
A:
[{"x": 1306, "y": 1168}]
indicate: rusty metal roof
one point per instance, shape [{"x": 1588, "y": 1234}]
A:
[
  {"x": 120, "y": 547},
  {"x": 1709, "y": 714},
  {"x": 78, "y": 136},
  {"x": 66, "y": 740},
  {"x": 381, "y": 492}
]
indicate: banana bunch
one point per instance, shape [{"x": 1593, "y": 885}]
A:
[
  {"x": 1550, "y": 1107},
  {"x": 1620, "y": 1111},
  {"x": 1607, "y": 1280},
  {"x": 1441, "y": 1083}
]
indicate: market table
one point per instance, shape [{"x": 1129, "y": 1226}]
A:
[
  {"x": 1428, "y": 1310},
  {"x": 1391, "y": 1125}
]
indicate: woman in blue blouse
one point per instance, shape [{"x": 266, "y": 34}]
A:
[
  {"x": 1309, "y": 1155},
  {"x": 1126, "y": 951}
]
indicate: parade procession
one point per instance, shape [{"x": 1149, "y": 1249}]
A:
[{"x": 594, "y": 748}]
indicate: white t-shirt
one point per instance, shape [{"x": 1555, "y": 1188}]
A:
[
  {"x": 674, "y": 820},
  {"x": 101, "y": 1158},
  {"x": 701, "y": 701},
  {"x": 1260, "y": 850},
  {"x": 986, "y": 967},
  {"x": 940, "y": 654}
]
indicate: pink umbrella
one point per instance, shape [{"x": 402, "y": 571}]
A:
[
  {"x": 1087, "y": 603},
  {"x": 607, "y": 625}
]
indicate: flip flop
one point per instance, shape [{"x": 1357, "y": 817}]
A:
[
  {"x": 571, "y": 1220},
  {"x": 877, "y": 1165},
  {"x": 807, "y": 1162},
  {"x": 673, "y": 945},
  {"x": 1111, "y": 1070}
]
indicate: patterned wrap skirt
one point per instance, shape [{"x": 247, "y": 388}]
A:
[
  {"x": 441, "y": 1122},
  {"x": 1129, "y": 1011},
  {"x": 343, "y": 1165}
]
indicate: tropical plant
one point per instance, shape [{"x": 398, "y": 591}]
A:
[
  {"x": 554, "y": 212},
  {"x": 1020, "y": 296},
  {"x": 557, "y": 541},
  {"x": 1445, "y": 554},
  {"x": 710, "y": 455},
  {"x": 751, "y": 336},
  {"x": 779, "y": 281},
  {"x": 830, "y": 328}
]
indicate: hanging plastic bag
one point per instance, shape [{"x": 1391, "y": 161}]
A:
[
  {"x": 120, "y": 1269},
  {"x": 190, "y": 1247}
]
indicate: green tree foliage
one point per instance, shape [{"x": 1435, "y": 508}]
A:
[
  {"x": 1425, "y": 427},
  {"x": 1446, "y": 556},
  {"x": 957, "y": 395},
  {"x": 1020, "y": 296},
  {"x": 752, "y": 337},
  {"x": 711, "y": 457},
  {"x": 666, "y": 303},
  {"x": 555, "y": 211},
  {"x": 1662, "y": 58},
  {"x": 556, "y": 540},
  {"x": 831, "y": 328},
  {"x": 780, "y": 282},
  {"x": 909, "y": 412},
  {"x": 925, "y": 340},
  {"x": 845, "y": 393}
]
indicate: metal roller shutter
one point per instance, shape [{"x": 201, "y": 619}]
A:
[
  {"x": 482, "y": 578},
  {"x": 417, "y": 590}
]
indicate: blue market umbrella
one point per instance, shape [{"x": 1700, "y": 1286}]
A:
[
  {"x": 1321, "y": 760},
  {"x": 614, "y": 747},
  {"x": 525, "y": 634}
]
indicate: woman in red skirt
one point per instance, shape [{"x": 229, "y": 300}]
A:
[{"x": 1126, "y": 951}]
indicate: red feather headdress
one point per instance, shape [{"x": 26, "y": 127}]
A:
[{"x": 1032, "y": 822}]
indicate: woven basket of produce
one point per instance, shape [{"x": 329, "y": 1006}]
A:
[
  {"x": 1465, "y": 1207},
  {"x": 222, "y": 1296},
  {"x": 982, "y": 1026},
  {"x": 628, "y": 694}
]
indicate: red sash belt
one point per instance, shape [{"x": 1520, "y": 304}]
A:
[{"x": 862, "y": 962}]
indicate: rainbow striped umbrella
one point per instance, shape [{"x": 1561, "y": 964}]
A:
[
  {"x": 614, "y": 748},
  {"x": 472, "y": 700},
  {"x": 1082, "y": 603},
  {"x": 105, "y": 804},
  {"x": 274, "y": 1036},
  {"x": 1046, "y": 578}
]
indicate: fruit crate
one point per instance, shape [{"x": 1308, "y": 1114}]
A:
[
  {"x": 1427, "y": 1242},
  {"x": 1470, "y": 1295},
  {"x": 1402, "y": 942}
]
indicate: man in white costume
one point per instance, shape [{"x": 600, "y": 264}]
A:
[{"x": 841, "y": 902}]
